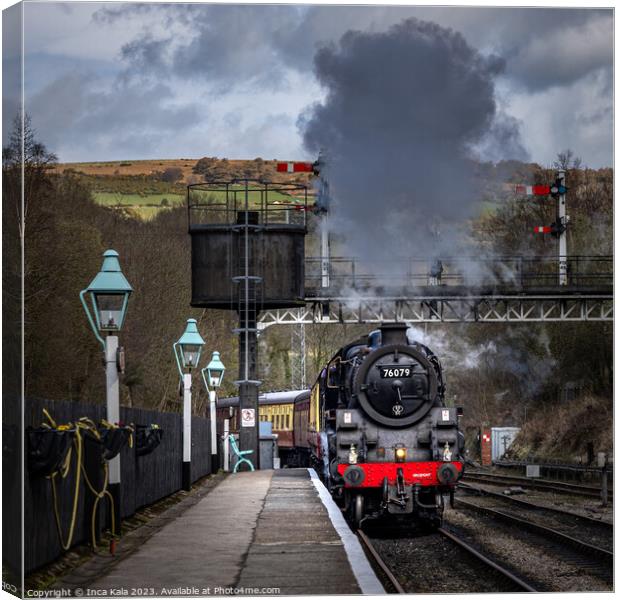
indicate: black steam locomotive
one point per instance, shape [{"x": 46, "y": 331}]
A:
[{"x": 376, "y": 427}]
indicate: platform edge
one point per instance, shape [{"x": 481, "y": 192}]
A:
[{"x": 362, "y": 570}]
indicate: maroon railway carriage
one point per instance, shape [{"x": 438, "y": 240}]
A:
[{"x": 275, "y": 407}]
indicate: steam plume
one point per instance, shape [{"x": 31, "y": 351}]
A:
[{"x": 404, "y": 112}]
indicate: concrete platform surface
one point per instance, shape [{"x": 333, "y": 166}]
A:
[{"x": 263, "y": 533}]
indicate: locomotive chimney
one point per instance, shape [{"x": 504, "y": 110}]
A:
[{"x": 393, "y": 333}]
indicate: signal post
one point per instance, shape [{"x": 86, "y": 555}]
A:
[{"x": 558, "y": 227}]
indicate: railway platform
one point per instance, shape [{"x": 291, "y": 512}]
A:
[{"x": 261, "y": 533}]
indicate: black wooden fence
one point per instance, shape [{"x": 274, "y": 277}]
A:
[{"x": 144, "y": 479}]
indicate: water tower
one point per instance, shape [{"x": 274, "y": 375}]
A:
[{"x": 248, "y": 244}]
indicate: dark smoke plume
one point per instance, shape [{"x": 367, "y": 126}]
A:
[{"x": 405, "y": 111}]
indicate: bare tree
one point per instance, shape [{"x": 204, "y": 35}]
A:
[
  {"x": 23, "y": 150},
  {"x": 567, "y": 160}
]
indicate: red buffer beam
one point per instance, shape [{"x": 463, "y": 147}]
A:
[{"x": 533, "y": 190}]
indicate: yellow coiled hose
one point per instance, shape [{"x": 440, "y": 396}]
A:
[
  {"x": 87, "y": 425},
  {"x": 63, "y": 472}
]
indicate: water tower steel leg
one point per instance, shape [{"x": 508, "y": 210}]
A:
[
  {"x": 248, "y": 386},
  {"x": 248, "y": 347}
]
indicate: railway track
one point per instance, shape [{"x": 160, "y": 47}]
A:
[
  {"x": 520, "y": 585},
  {"x": 558, "y": 487},
  {"x": 385, "y": 570},
  {"x": 569, "y": 521},
  {"x": 557, "y": 540},
  {"x": 456, "y": 565}
]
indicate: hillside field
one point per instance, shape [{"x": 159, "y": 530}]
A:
[{"x": 137, "y": 188}]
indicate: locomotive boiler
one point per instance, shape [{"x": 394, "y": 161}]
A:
[{"x": 376, "y": 428}]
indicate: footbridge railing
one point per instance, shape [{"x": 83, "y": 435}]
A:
[
  {"x": 466, "y": 272},
  {"x": 452, "y": 290}
]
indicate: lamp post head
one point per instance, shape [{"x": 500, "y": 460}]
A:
[
  {"x": 109, "y": 293},
  {"x": 188, "y": 347},
  {"x": 215, "y": 371}
]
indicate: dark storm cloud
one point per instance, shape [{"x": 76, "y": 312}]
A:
[
  {"x": 404, "y": 110},
  {"x": 227, "y": 45},
  {"x": 113, "y": 12},
  {"x": 560, "y": 51},
  {"x": 203, "y": 52},
  {"x": 133, "y": 117},
  {"x": 234, "y": 43},
  {"x": 146, "y": 54},
  {"x": 543, "y": 47}
]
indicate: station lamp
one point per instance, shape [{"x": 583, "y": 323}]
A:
[
  {"x": 187, "y": 354},
  {"x": 188, "y": 347},
  {"x": 215, "y": 374},
  {"x": 108, "y": 295}
]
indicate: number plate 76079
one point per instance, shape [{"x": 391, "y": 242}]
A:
[{"x": 394, "y": 372}]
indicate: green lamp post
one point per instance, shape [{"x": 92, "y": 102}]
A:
[
  {"x": 187, "y": 354},
  {"x": 213, "y": 380},
  {"x": 105, "y": 303}
]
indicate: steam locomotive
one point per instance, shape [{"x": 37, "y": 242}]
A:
[{"x": 376, "y": 428}]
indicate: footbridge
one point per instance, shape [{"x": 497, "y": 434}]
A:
[{"x": 451, "y": 290}]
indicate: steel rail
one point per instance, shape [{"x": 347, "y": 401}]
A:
[
  {"x": 552, "y": 466},
  {"x": 582, "y": 547},
  {"x": 559, "y": 487},
  {"x": 384, "y": 568},
  {"x": 533, "y": 506},
  {"x": 522, "y": 585}
]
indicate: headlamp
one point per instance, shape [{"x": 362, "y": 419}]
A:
[{"x": 401, "y": 454}]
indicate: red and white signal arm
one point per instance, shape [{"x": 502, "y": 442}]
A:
[
  {"x": 542, "y": 229},
  {"x": 533, "y": 190},
  {"x": 295, "y": 167},
  {"x": 248, "y": 417}
]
